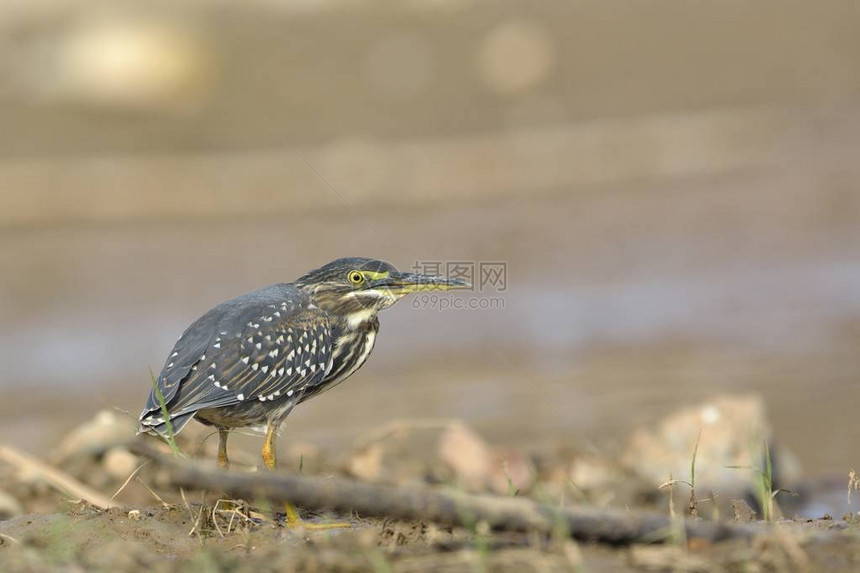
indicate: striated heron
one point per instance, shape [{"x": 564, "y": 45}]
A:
[{"x": 249, "y": 361}]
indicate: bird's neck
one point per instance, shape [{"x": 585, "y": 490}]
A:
[
  {"x": 358, "y": 319},
  {"x": 355, "y": 325},
  {"x": 353, "y": 341}
]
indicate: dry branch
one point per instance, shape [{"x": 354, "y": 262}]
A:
[
  {"x": 449, "y": 507},
  {"x": 57, "y": 478}
]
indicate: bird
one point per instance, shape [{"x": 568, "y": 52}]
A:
[{"x": 250, "y": 360}]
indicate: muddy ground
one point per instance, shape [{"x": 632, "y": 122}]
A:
[
  {"x": 158, "y": 539},
  {"x": 156, "y": 527}
]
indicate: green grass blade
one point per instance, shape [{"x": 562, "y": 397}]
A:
[
  {"x": 693, "y": 462},
  {"x": 166, "y": 415}
]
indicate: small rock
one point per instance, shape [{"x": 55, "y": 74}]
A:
[
  {"x": 366, "y": 463},
  {"x": 466, "y": 454},
  {"x": 119, "y": 463},
  {"x": 601, "y": 481},
  {"x": 742, "y": 510},
  {"x": 9, "y": 506},
  {"x": 438, "y": 452},
  {"x": 593, "y": 473},
  {"x": 511, "y": 470},
  {"x": 134, "y": 515},
  {"x": 731, "y": 431},
  {"x": 104, "y": 431}
]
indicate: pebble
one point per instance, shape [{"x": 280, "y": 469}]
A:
[
  {"x": 119, "y": 463},
  {"x": 9, "y": 506}
]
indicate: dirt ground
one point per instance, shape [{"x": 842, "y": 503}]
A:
[
  {"x": 194, "y": 538},
  {"x": 155, "y": 527},
  {"x": 157, "y": 539}
]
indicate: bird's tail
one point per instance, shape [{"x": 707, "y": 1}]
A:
[{"x": 153, "y": 423}]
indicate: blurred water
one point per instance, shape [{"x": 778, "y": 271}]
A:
[
  {"x": 609, "y": 344},
  {"x": 745, "y": 309}
]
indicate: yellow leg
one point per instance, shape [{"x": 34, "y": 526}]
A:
[
  {"x": 270, "y": 456},
  {"x": 270, "y": 460},
  {"x": 223, "y": 462}
]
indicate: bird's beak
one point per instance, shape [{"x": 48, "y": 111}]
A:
[{"x": 405, "y": 283}]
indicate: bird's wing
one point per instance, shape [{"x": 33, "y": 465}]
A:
[
  {"x": 264, "y": 351},
  {"x": 184, "y": 357}
]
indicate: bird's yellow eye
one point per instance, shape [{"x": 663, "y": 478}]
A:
[{"x": 355, "y": 277}]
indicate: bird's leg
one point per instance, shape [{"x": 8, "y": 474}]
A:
[
  {"x": 270, "y": 456},
  {"x": 223, "y": 462},
  {"x": 270, "y": 460}
]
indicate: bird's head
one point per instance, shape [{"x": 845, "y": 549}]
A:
[{"x": 360, "y": 287}]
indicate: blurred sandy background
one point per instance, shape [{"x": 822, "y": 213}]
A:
[{"x": 674, "y": 187}]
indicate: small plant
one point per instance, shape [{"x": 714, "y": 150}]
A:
[
  {"x": 560, "y": 527},
  {"x": 480, "y": 532},
  {"x": 512, "y": 490},
  {"x": 694, "y": 510},
  {"x": 171, "y": 441},
  {"x": 853, "y": 484},
  {"x": 766, "y": 493},
  {"x": 670, "y": 485},
  {"x": 577, "y": 491}
]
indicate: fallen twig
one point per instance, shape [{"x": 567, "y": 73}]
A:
[
  {"x": 57, "y": 478},
  {"x": 445, "y": 506},
  {"x": 128, "y": 480},
  {"x": 157, "y": 497}
]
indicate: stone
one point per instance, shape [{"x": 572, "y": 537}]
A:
[
  {"x": 104, "y": 431},
  {"x": 731, "y": 432},
  {"x": 435, "y": 452},
  {"x": 9, "y": 506},
  {"x": 466, "y": 455},
  {"x": 119, "y": 463}
]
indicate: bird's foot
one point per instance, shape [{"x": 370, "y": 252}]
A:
[
  {"x": 292, "y": 520},
  {"x": 302, "y": 524}
]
